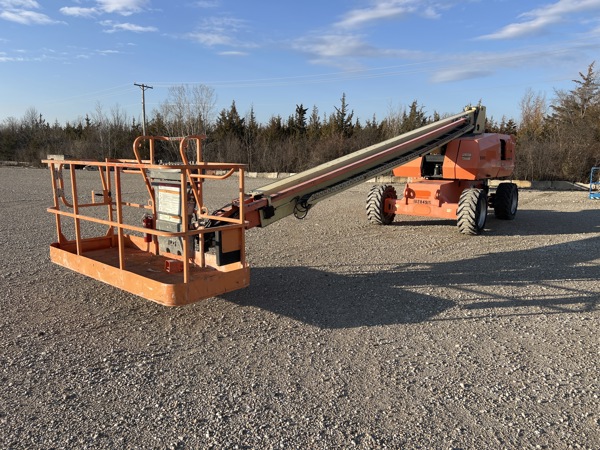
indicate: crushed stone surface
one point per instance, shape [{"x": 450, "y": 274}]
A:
[{"x": 350, "y": 335}]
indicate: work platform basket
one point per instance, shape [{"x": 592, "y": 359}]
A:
[{"x": 164, "y": 248}]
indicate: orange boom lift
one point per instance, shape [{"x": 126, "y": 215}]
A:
[
  {"x": 452, "y": 183},
  {"x": 179, "y": 252}
]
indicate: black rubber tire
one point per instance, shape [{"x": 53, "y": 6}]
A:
[
  {"x": 376, "y": 202},
  {"x": 472, "y": 211},
  {"x": 506, "y": 201}
]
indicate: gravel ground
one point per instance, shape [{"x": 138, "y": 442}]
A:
[{"x": 349, "y": 336}]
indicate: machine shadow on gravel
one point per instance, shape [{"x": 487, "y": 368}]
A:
[
  {"x": 331, "y": 300},
  {"x": 540, "y": 268},
  {"x": 539, "y": 222},
  {"x": 393, "y": 296}
]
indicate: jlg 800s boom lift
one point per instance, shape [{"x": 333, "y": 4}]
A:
[{"x": 180, "y": 252}]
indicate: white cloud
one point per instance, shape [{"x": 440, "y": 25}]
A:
[
  {"x": 343, "y": 47},
  {"x": 477, "y": 65},
  {"x": 122, "y": 7},
  {"x": 541, "y": 19},
  {"x": 459, "y": 74},
  {"x": 49, "y": 54},
  {"x": 10, "y": 59},
  {"x": 337, "y": 49},
  {"x": 26, "y": 17},
  {"x": 21, "y": 11},
  {"x": 5, "y": 57},
  {"x": 113, "y": 27},
  {"x": 431, "y": 13},
  {"x": 335, "y": 46},
  {"x": 41, "y": 54},
  {"x": 389, "y": 9},
  {"x": 221, "y": 31},
  {"x": 77, "y": 11},
  {"x": 207, "y": 3},
  {"x": 19, "y": 4},
  {"x": 211, "y": 39},
  {"x": 380, "y": 10},
  {"x": 233, "y": 53}
]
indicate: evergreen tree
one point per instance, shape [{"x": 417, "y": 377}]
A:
[
  {"x": 229, "y": 123},
  {"x": 314, "y": 124},
  {"x": 415, "y": 118},
  {"x": 508, "y": 126},
  {"x": 342, "y": 119},
  {"x": 581, "y": 101},
  {"x": 299, "y": 122},
  {"x": 574, "y": 128},
  {"x": 252, "y": 131}
]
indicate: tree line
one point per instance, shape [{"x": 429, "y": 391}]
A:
[{"x": 556, "y": 139}]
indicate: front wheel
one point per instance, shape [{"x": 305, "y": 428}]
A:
[
  {"x": 472, "y": 211},
  {"x": 376, "y": 204}
]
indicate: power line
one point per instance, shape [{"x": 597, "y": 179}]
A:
[{"x": 109, "y": 92}]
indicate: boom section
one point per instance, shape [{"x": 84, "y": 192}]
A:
[{"x": 298, "y": 193}]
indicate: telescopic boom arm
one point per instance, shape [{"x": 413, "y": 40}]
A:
[{"x": 298, "y": 193}]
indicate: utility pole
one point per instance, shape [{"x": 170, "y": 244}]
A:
[{"x": 143, "y": 87}]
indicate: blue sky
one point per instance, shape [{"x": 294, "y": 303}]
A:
[{"x": 67, "y": 57}]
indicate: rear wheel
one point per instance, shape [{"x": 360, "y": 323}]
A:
[
  {"x": 506, "y": 201},
  {"x": 472, "y": 211},
  {"x": 376, "y": 204}
]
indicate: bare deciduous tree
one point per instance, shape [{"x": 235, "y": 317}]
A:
[{"x": 188, "y": 110}]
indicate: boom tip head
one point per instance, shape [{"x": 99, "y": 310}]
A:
[{"x": 478, "y": 117}]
